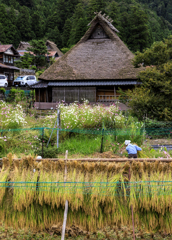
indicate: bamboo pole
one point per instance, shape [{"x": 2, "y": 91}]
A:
[
  {"x": 129, "y": 176},
  {"x": 66, "y": 203}
]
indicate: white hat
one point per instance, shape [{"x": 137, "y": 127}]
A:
[{"x": 127, "y": 142}]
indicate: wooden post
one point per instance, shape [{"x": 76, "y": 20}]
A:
[
  {"x": 42, "y": 142},
  {"x": 58, "y": 125},
  {"x": 66, "y": 203},
  {"x": 114, "y": 93},
  {"x": 39, "y": 98},
  {"x": 129, "y": 176},
  {"x": 101, "y": 148}
]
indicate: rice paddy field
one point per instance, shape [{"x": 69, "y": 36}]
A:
[{"x": 100, "y": 196}]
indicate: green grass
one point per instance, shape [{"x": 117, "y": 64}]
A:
[{"x": 85, "y": 144}]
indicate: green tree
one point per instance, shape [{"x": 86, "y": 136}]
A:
[
  {"x": 40, "y": 51},
  {"x": 79, "y": 21},
  {"x": 154, "y": 97},
  {"x": 96, "y": 6},
  {"x": 2, "y": 35},
  {"x": 135, "y": 29},
  {"x": 113, "y": 10},
  {"x": 37, "y": 25},
  {"x": 66, "y": 32},
  {"x": 24, "y": 25},
  {"x": 52, "y": 21},
  {"x": 26, "y": 61},
  {"x": 81, "y": 28},
  {"x": 4, "y": 20},
  {"x": 55, "y": 36}
]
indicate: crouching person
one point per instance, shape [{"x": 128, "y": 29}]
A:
[{"x": 132, "y": 149}]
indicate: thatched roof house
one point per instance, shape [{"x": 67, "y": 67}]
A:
[
  {"x": 53, "y": 50},
  {"x": 94, "y": 68},
  {"x": 23, "y": 46}
]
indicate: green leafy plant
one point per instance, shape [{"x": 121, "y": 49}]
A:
[
  {"x": 48, "y": 152},
  {"x": 2, "y": 90}
]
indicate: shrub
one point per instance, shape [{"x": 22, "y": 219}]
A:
[
  {"x": 48, "y": 152},
  {"x": 16, "y": 95},
  {"x": 158, "y": 129},
  {"x": 2, "y": 90}
]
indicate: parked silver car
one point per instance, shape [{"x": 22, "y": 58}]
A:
[
  {"x": 3, "y": 81},
  {"x": 24, "y": 80}
]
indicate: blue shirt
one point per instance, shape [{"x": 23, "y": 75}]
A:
[{"x": 132, "y": 149}]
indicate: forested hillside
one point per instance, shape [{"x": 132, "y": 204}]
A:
[{"x": 140, "y": 22}]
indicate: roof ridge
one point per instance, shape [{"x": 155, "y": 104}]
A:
[{"x": 105, "y": 19}]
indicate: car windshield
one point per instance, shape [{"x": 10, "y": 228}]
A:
[
  {"x": 2, "y": 77},
  {"x": 19, "y": 78}
]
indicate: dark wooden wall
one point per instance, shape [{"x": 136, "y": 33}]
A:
[
  {"x": 43, "y": 95},
  {"x": 71, "y": 94}
]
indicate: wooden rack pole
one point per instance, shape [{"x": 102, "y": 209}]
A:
[
  {"x": 66, "y": 203},
  {"x": 104, "y": 159}
]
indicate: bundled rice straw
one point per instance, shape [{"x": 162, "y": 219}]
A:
[{"x": 33, "y": 194}]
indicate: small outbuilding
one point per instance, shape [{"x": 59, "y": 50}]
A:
[{"x": 94, "y": 69}]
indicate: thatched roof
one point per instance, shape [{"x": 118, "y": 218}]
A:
[
  {"x": 95, "y": 57},
  {"x": 23, "y": 45},
  {"x": 52, "y": 47}
]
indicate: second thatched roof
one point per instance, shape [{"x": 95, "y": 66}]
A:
[{"x": 95, "y": 57}]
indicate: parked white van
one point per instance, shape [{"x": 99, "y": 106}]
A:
[{"x": 24, "y": 80}]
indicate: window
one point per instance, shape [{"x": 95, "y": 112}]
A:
[{"x": 8, "y": 59}]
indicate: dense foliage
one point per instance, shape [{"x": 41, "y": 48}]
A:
[
  {"x": 140, "y": 22},
  {"x": 154, "y": 98}
]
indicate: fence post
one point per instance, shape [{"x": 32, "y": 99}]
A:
[
  {"x": 101, "y": 148},
  {"x": 42, "y": 142},
  {"x": 66, "y": 203},
  {"x": 58, "y": 125}
]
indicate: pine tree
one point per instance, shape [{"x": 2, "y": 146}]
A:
[
  {"x": 114, "y": 12},
  {"x": 2, "y": 35},
  {"x": 55, "y": 36},
  {"x": 40, "y": 50},
  {"x": 13, "y": 35},
  {"x": 81, "y": 28},
  {"x": 37, "y": 27},
  {"x": 135, "y": 29},
  {"x": 96, "y": 6},
  {"x": 8, "y": 28},
  {"x": 66, "y": 32},
  {"x": 3, "y": 16},
  {"x": 12, "y": 15},
  {"x": 24, "y": 25},
  {"x": 52, "y": 21},
  {"x": 77, "y": 21}
]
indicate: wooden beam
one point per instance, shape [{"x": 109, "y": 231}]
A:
[{"x": 103, "y": 159}]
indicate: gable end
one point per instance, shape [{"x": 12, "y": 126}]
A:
[{"x": 98, "y": 33}]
